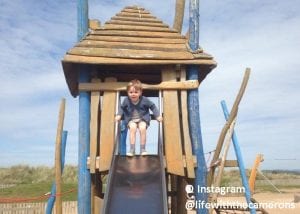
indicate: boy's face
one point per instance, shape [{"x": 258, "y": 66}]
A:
[{"x": 134, "y": 94}]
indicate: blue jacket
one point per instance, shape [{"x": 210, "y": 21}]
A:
[{"x": 142, "y": 107}]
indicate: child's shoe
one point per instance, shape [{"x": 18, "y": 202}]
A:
[
  {"x": 144, "y": 152},
  {"x": 130, "y": 154}
]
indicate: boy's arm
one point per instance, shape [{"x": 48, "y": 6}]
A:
[
  {"x": 120, "y": 111},
  {"x": 155, "y": 110}
]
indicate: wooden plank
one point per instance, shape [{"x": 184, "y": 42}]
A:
[
  {"x": 137, "y": 19},
  {"x": 133, "y": 23},
  {"x": 137, "y": 39},
  {"x": 136, "y": 46},
  {"x": 218, "y": 178},
  {"x": 138, "y": 28},
  {"x": 130, "y": 53},
  {"x": 121, "y": 86},
  {"x": 231, "y": 163},
  {"x": 225, "y": 128},
  {"x": 95, "y": 101},
  {"x": 143, "y": 34},
  {"x": 141, "y": 16},
  {"x": 172, "y": 135},
  {"x": 136, "y": 10},
  {"x": 186, "y": 132},
  {"x": 120, "y": 61},
  {"x": 94, "y": 24},
  {"x": 107, "y": 128}
]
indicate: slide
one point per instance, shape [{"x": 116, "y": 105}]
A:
[{"x": 136, "y": 185}]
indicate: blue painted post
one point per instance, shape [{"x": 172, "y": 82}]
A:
[
  {"x": 193, "y": 108},
  {"x": 84, "y": 176},
  {"x": 123, "y": 136},
  {"x": 240, "y": 161},
  {"x": 51, "y": 199}
]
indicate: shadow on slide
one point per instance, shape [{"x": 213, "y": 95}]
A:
[{"x": 136, "y": 185}]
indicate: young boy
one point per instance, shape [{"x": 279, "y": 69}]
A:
[{"x": 135, "y": 110}]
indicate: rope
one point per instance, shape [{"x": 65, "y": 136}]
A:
[
  {"x": 37, "y": 198},
  {"x": 269, "y": 181}
]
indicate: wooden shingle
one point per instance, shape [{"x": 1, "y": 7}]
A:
[{"x": 132, "y": 36}]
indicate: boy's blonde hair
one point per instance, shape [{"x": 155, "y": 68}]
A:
[{"x": 136, "y": 84}]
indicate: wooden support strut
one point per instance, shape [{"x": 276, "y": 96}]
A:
[
  {"x": 172, "y": 137},
  {"x": 121, "y": 86},
  {"x": 226, "y": 127}
]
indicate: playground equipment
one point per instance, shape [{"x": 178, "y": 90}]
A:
[{"x": 136, "y": 45}]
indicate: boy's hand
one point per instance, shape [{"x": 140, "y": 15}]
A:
[
  {"x": 159, "y": 118},
  {"x": 117, "y": 118}
]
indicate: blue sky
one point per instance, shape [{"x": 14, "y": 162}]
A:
[{"x": 262, "y": 35}]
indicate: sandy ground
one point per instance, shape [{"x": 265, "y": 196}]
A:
[{"x": 274, "y": 203}]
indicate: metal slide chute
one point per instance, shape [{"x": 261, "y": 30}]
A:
[{"x": 136, "y": 184}]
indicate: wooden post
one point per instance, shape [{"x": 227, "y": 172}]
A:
[
  {"x": 58, "y": 165},
  {"x": 51, "y": 199},
  {"x": 179, "y": 14},
  {"x": 193, "y": 108},
  {"x": 84, "y": 177},
  {"x": 232, "y": 115},
  {"x": 259, "y": 158}
]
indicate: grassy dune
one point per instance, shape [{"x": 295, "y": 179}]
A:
[{"x": 26, "y": 182}]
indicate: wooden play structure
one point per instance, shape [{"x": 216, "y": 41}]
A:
[{"x": 134, "y": 44}]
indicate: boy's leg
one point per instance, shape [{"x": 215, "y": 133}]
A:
[
  {"x": 132, "y": 130},
  {"x": 143, "y": 133}
]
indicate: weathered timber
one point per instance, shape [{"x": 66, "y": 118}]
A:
[
  {"x": 126, "y": 14},
  {"x": 58, "y": 165},
  {"x": 94, "y": 127},
  {"x": 121, "y": 86},
  {"x": 137, "y": 19},
  {"x": 186, "y": 132},
  {"x": 172, "y": 136},
  {"x": 136, "y": 10},
  {"x": 146, "y": 24},
  {"x": 120, "y": 61},
  {"x": 130, "y": 53},
  {"x": 107, "y": 128},
  {"x": 137, "y": 39},
  {"x": 134, "y": 46},
  {"x": 144, "y": 34},
  {"x": 225, "y": 128},
  {"x": 138, "y": 28}
]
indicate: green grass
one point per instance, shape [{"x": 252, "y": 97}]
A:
[
  {"x": 36, "y": 190},
  {"x": 33, "y": 182}
]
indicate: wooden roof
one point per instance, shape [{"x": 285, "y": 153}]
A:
[{"x": 132, "y": 37}]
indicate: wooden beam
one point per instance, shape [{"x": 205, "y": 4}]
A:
[
  {"x": 94, "y": 127},
  {"x": 231, "y": 163},
  {"x": 130, "y": 53},
  {"x": 136, "y": 39},
  {"x": 137, "y": 19},
  {"x": 121, "y": 86},
  {"x": 143, "y": 34},
  {"x": 107, "y": 128},
  {"x": 122, "y": 61},
  {"x": 232, "y": 115},
  {"x": 186, "y": 132},
  {"x": 58, "y": 166},
  {"x": 171, "y": 123},
  {"x": 134, "y": 23},
  {"x": 139, "y": 28}
]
